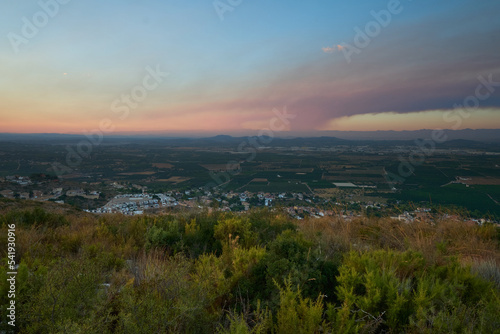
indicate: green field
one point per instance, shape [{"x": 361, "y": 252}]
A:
[
  {"x": 473, "y": 197},
  {"x": 284, "y": 171}
]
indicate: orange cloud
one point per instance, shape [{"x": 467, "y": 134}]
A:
[{"x": 332, "y": 49}]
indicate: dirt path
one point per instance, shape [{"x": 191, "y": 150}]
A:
[{"x": 494, "y": 200}]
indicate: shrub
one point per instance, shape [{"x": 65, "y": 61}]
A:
[
  {"x": 399, "y": 292},
  {"x": 35, "y": 217}
]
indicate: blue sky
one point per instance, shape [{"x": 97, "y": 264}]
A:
[{"x": 227, "y": 75}]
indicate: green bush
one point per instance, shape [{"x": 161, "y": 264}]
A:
[
  {"x": 398, "y": 292},
  {"x": 35, "y": 217}
]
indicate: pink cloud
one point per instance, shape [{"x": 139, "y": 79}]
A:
[{"x": 332, "y": 49}]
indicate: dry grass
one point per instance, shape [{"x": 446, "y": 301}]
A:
[
  {"x": 115, "y": 234},
  {"x": 435, "y": 241}
]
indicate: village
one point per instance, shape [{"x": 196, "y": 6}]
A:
[{"x": 348, "y": 204}]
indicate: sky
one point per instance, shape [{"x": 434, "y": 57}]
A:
[{"x": 241, "y": 67}]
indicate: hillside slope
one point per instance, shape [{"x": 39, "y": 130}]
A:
[{"x": 258, "y": 272}]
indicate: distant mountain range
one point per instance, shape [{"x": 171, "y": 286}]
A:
[
  {"x": 228, "y": 141},
  {"x": 456, "y": 138}
]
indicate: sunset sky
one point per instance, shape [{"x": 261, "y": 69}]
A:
[{"x": 69, "y": 68}]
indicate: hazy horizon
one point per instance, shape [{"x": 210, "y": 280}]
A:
[{"x": 492, "y": 135}]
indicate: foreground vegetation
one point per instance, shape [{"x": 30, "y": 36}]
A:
[{"x": 251, "y": 273}]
